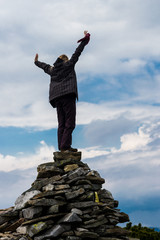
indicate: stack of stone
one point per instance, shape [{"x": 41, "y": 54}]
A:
[{"x": 65, "y": 202}]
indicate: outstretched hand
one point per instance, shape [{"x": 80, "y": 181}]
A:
[
  {"x": 36, "y": 57},
  {"x": 86, "y": 37},
  {"x": 85, "y": 32}
]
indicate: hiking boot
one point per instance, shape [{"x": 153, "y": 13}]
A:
[{"x": 69, "y": 150}]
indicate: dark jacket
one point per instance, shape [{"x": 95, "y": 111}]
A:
[{"x": 63, "y": 76}]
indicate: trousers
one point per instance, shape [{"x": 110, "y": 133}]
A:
[{"x": 66, "y": 115}]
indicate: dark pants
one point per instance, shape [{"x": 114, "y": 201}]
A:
[{"x": 66, "y": 113}]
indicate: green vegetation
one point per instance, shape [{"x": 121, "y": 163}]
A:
[{"x": 143, "y": 233}]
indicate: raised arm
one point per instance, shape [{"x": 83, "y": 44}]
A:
[
  {"x": 83, "y": 42},
  {"x": 46, "y": 67}
]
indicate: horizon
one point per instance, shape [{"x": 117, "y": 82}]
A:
[{"x": 118, "y": 117}]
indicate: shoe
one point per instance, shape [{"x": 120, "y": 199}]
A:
[
  {"x": 73, "y": 149},
  {"x": 69, "y": 150}
]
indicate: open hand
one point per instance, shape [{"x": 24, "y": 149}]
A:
[
  {"x": 85, "y": 32},
  {"x": 36, "y": 57}
]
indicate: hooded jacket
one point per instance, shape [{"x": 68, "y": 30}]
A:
[{"x": 63, "y": 77}]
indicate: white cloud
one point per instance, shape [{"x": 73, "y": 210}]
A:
[
  {"x": 135, "y": 141},
  {"x": 25, "y": 161}
]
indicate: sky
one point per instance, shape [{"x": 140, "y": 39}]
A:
[{"x": 118, "y": 117}]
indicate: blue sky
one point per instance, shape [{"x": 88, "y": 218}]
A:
[{"x": 118, "y": 117}]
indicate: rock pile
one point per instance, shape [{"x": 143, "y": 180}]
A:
[{"x": 65, "y": 202}]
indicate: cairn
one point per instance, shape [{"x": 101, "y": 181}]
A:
[{"x": 65, "y": 202}]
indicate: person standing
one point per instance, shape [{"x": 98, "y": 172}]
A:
[{"x": 63, "y": 92}]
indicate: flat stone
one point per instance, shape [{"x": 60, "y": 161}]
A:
[
  {"x": 61, "y": 187},
  {"x": 75, "y": 180},
  {"x": 96, "y": 223},
  {"x": 103, "y": 193},
  {"x": 110, "y": 238},
  {"x": 53, "y": 232},
  {"x": 93, "y": 173},
  {"x": 94, "y": 179},
  {"x": 85, "y": 186},
  {"x": 38, "y": 184},
  {"x": 36, "y": 228},
  {"x": 96, "y": 187},
  {"x": 65, "y": 156},
  {"x": 48, "y": 187},
  {"x": 22, "y": 200},
  {"x": 122, "y": 217},
  {"x": 3, "y": 226},
  {"x": 81, "y": 204},
  {"x": 68, "y": 233},
  {"x": 77, "y": 211},
  {"x": 116, "y": 232},
  {"x": 74, "y": 194},
  {"x": 85, "y": 234},
  {"x": 70, "y": 218},
  {"x": 48, "y": 170},
  {"x": 53, "y": 209},
  {"x": 12, "y": 227},
  {"x": 22, "y": 230},
  {"x": 71, "y": 167},
  {"x": 32, "y": 212},
  {"x": 89, "y": 196},
  {"x": 73, "y": 238},
  {"x": 77, "y": 173},
  {"x": 9, "y": 212},
  {"x": 82, "y": 230},
  {"x": 45, "y": 202},
  {"x": 44, "y": 218},
  {"x": 113, "y": 219}
]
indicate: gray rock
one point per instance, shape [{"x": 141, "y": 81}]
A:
[
  {"x": 23, "y": 199},
  {"x": 109, "y": 238},
  {"x": 61, "y": 187},
  {"x": 45, "y": 202},
  {"x": 113, "y": 219},
  {"x": 116, "y": 232},
  {"x": 48, "y": 187},
  {"x": 22, "y": 230},
  {"x": 96, "y": 187},
  {"x": 53, "y": 209},
  {"x": 36, "y": 228},
  {"x": 70, "y": 218},
  {"x": 96, "y": 224},
  {"x": 85, "y": 186},
  {"x": 122, "y": 217},
  {"x": 32, "y": 212},
  {"x": 85, "y": 234},
  {"x": 77, "y": 211},
  {"x": 89, "y": 196},
  {"x": 77, "y": 173},
  {"x": 96, "y": 180},
  {"x": 93, "y": 173},
  {"x": 38, "y": 184},
  {"x": 70, "y": 167},
  {"x": 73, "y": 238},
  {"x": 48, "y": 170},
  {"x": 9, "y": 212},
  {"x": 105, "y": 194},
  {"x": 74, "y": 194},
  {"x": 53, "y": 232},
  {"x": 43, "y": 219},
  {"x": 68, "y": 233},
  {"x": 67, "y": 156},
  {"x": 81, "y": 204}
]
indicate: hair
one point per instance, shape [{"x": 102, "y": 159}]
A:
[{"x": 64, "y": 57}]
